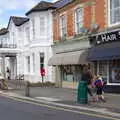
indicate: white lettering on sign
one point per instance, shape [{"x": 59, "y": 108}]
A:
[{"x": 106, "y": 38}]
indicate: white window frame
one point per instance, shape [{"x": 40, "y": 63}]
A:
[
  {"x": 27, "y": 34},
  {"x": 28, "y": 64},
  {"x": 33, "y": 27},
  {"x": 81, "y": 20},
  {"x": 63, "y": 26},
  {"x": 109, "y": 16},
  {"x": 13, "y": 37},
  {"x": 33, "y": 58},
  {"x": 42, "y": 26}
]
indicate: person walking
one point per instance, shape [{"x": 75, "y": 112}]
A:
[
  {"x": 99, "y": 88},
  {"x": 88, "y": 77}
]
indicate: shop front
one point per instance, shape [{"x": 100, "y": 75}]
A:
[
  {"x": 68, "y": 60},
  {"x": 105, "y": 56}
]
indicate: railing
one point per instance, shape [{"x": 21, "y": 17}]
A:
[{"x": 8, "y": 46}]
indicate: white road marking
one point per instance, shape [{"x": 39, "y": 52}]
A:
[{"x": 48, "y": 99}]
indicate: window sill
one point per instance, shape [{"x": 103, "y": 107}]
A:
[{"x": 114, "y": 25}]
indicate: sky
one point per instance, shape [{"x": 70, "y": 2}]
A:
[{"x": 15, "y": 8}]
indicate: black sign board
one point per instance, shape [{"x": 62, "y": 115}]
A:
[{"x": 106, "y": 37}]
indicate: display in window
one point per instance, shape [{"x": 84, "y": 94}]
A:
[{"x": 116, "y": 75}]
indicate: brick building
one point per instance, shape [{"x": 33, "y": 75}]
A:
[
  {"x": 80, "y": 26},
  {"x": 72, "y": 21},
  {"x": 104, "y": 53}
]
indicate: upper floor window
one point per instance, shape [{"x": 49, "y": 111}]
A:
[
  {"x": 78, "y": 20},
  {"x": 63, "y": 25},
  {"x": 13, "y": 37},
  {"x": 27, "y": 31},
  {"x": 33, "y": 27},
  {"x": 42, "y": 26},
  {"x": 114, "y": 12}
]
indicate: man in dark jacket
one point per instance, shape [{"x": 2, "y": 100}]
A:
[{"x": 87, "y": 76}]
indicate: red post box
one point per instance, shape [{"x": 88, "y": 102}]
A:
[{"x": 42, "y": 72}]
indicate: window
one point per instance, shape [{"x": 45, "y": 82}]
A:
[
  {"x": 42, "y": 26},
  {"x": 27, "y": 30},
  {"x": 41, "y": 60},
  {"x": 28, "y": 63},
  {"x": 33, "y": 27},
  {"x": 63, "y": 26},
  {"x": 114, "y": 12},
  {"x": 103, "y": 70},
  {"x": 13, "y": 37},
  {"x": 79, "y": 20},
  {"x": 114, "y": 71},
  {"x": 33, "y": 56}
]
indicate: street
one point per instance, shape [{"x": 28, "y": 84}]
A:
[{"x": 11, "y": 109}]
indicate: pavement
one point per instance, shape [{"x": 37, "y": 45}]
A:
[{"x": 66, "y": 97}]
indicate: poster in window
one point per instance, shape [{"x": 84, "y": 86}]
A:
[{"x": 116, "y": 75}]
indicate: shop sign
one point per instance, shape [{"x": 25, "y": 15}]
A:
[{"x": 107, "y": 37}]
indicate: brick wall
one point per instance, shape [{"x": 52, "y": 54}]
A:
[
  {"x": 100, "y": 13},
  {"x": 92, "y": 14}
]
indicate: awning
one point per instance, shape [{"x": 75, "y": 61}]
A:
[
  {"x": 109, "y": 51},
  {"x": 69, "y": 58}
]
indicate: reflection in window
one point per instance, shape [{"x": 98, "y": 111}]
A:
[
  {"x": 79, "y": 20},
  {"x": 63, "y": 25},
  {"x": 114, "y": 11}
]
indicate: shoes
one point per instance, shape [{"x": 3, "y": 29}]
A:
[{"x": 103, "y": 100}]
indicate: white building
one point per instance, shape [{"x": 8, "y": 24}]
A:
[{"x": 33, "y": 37}]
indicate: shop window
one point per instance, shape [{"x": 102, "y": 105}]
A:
[
  {"x": 114, "y": 71},
  {"x": 71, "y": 73},
  {"x": 103, "y": 70},
  {"x": 95, "y": 68}
]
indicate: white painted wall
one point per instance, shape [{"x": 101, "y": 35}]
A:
[{"x": 35, "y": 45}]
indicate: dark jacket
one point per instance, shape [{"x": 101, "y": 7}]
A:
[{"x": 87, "y": 77}]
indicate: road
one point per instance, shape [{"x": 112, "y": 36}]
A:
[{"x": 11, "y": 109}]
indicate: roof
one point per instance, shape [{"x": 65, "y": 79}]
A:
[
  {"x": 42, "y": 6},
  {"x": 3, "y": 31},
  {"x": 62, "y": 3},
  {"x": 19, "y": 20}
]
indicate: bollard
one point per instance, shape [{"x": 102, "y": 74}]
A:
[
  {"x": 27, "y": 89},
  {"x": 5, "y": 84}
]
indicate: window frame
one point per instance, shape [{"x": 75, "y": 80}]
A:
[
  {"x": 43, "y": 32},
  {"x": 27, "y": 34},
  {"x": 33, "y": 27},
  {"x": 109, "y": 16},
  {"x": 28, "y": 64},
  {"x": 63, "y": 27},
  {"x": 76, "y": 27}
]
